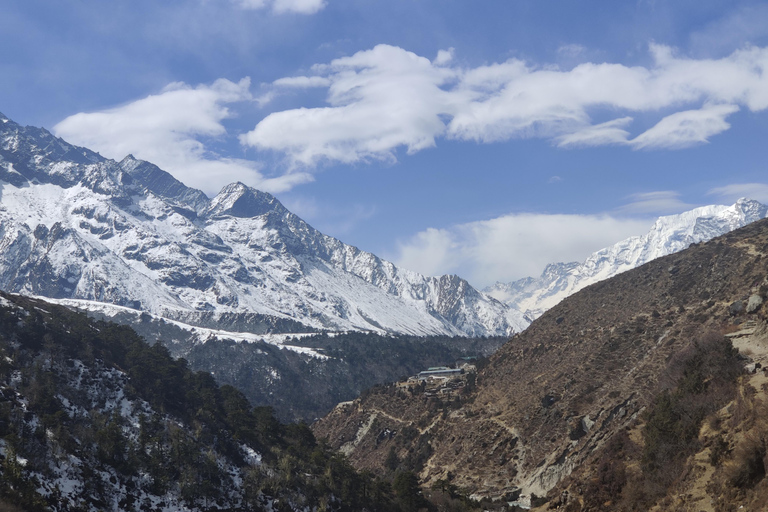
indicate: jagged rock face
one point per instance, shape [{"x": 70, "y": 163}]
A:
[
  {"x": 74, "y": 225},
  {"x": 668, "y": 235},
  {"x": 558, "y": 391}
]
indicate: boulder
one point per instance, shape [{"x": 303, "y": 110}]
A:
[
  {"x": 754, "y": 303},
  {"x": 736, "y": 307}
]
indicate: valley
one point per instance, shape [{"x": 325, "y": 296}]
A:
[{"x": 402, "y": 256}]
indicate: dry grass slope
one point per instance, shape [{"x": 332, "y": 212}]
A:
[{"x": 559, "y": 402}]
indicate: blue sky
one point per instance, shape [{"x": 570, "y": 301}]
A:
[{"x": 480, "y": 138}]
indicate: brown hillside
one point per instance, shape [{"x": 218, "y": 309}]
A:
[{"x": 555, "y": 395}]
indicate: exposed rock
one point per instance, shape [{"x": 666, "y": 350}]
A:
[{"x": 754, "y": 303}]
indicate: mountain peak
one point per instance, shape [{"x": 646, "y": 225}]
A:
[
  {"x": 751, "y": 207},
  {"x": 239, "y": 200},
  {"x": 163, "y": 184}
]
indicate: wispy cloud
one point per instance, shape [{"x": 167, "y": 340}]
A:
[
  {"x": 756, "y": 191},
  {"x": 329, "y": 217},
  {"x": 284, "y": 6},
  {"x": 657, "y": 203},
  {"x": 746, "y": 24},
  {"x": 302, "y": 82},
  {"x": 571, "y": 50},
  {"x": 167, "y": 128},
  {"x": 387, "y": 98},
  {"x": 603, "y": 134},
  {"x": 685, "y": 129},
  {"x": 512, "y": 246}
]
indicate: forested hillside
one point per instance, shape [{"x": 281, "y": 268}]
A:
[{"x": 93, "y": 418}]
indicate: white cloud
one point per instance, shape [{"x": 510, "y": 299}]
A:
[
  {"x": 685, "y": 129},
  {"x": 285, "y": 6},
  {"x": 166, "y": 129},
  {"x": 444, "y": 57},
  {"x": 512, "y": 246},
  {"x": 729, "y": 193},
  {"x": 380, "y": 100},
  {"x": 387, "y": 98},
  {"x": 299, "y": 6},
  {"x": 252, "y": 4},
  {"x": 432, "y": 252},
  {"x": 661, "y": 202}
]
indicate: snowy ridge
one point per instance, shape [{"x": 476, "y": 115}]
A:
[
  {"x": 198, "y": 334},
  {"x": 668, "y": 235},
  {"x": 74, "y": 225}
]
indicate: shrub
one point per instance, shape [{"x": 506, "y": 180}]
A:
[{"x": 748, "y": 466}]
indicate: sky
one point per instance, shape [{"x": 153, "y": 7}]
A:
[{"x": 484, "y": 139}]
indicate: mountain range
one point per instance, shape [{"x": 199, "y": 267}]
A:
[
  {"x": 78, "y": 226},
  {"x": 94, "y": 233},
  {"x": 627, "y": 392}
]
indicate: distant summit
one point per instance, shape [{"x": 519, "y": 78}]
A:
[{"x": 669, "y": 234}]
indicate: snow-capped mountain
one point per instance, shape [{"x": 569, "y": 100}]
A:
[
  {"x": 75, "y": 225},
  {"x": 669, "y": 234}
]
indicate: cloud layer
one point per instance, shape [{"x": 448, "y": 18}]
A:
[
  {"x": 387, "y": 98},
  {"x": 512, "y": 246},
  {"x": 166, "y": 129}
]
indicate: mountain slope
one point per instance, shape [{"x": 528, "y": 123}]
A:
[
  {"x": 668, "y": 235},
  {"x": 74, "y": 225},
  {"x": 555, "y": 396}
]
